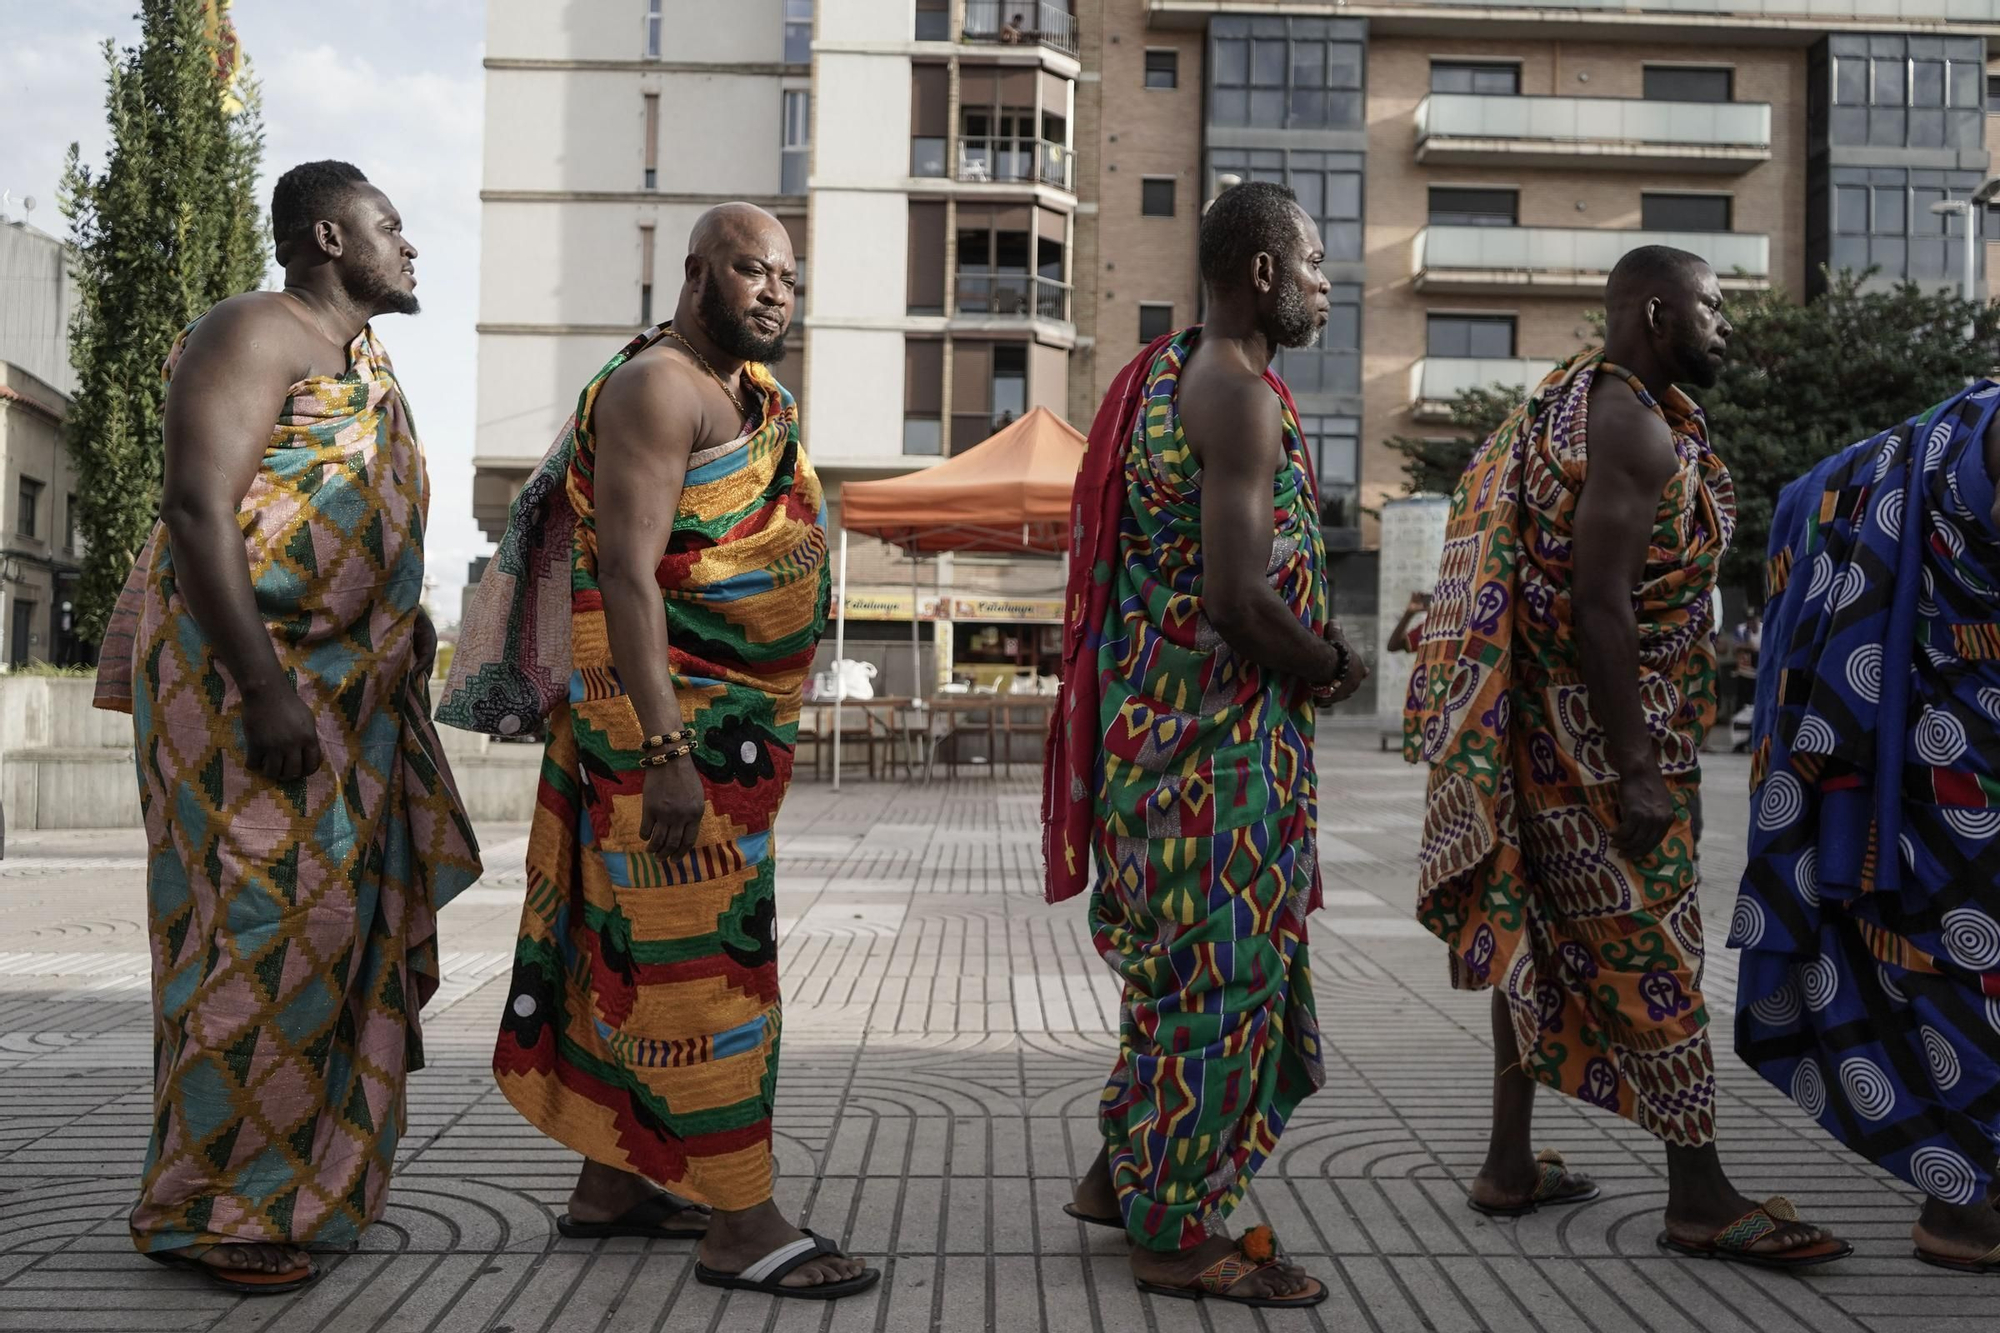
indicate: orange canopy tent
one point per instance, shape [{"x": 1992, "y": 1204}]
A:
[{"x": 1007, "y": 493}]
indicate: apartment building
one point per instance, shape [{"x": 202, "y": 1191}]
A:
[{"x": 1000, "y": 200}]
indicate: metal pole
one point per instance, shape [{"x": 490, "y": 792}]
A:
[
  {"x": 839, "y": 655},
  {"x": 916, "y": 643}
]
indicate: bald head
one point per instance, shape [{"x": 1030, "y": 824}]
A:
[
  {"x": 741, "y": 281},
  {"x": 1663, "y": 316}
]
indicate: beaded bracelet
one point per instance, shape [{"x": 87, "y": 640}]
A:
[
  {"x": 667, "y": 738},
  {"x": 665, "y": 757}
]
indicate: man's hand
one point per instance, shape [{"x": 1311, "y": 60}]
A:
[
  {"x": 1645, "y": 813},
  {"x": 1357, "y": 670},
  {"x": 424, "y": 659},
  {"x": 671, "y": 808},
  {"x": 279, "y": 739}
]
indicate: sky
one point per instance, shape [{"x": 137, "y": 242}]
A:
[{"x": 393, "y": 86}]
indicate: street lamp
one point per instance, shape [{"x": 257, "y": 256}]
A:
[{"x": 1968, "y": 275}]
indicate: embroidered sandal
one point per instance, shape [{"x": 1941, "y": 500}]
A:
[
  {"x": 646, "y": 1219},
  {"x": 242, "y": 1281},
  {"x": 1255, "y": 1252},
  {"x": 1557, "y": 1186},
  {"x": 769, "y": 1273},
  {"x": 1986, "y": 1263},
  {"x": 1732, "y": 1243}
]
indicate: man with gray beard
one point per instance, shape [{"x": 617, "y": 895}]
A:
[{"x": 1197, "y": 647}]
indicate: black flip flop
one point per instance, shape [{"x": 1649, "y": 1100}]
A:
[
  {"x": 768, "y": 1274},
  {"x": 241, "y": 1281},
  {"x": 1988, "y": 1263},
  {"x": 645, "y": 1219},
  {"x": 1114, "y": 1223}
]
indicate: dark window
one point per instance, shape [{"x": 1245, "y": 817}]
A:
[
  {"x": 1163, "y": 69},
  {"x": 1463, "y": 77},
  {"x": 19, "y": 649},
  {"x": 1469, "y": 335},
  {"x": 1334, "y": 446},
  {"x": 798, "y": 31},
  {"x": 1455, "y": 207},
  {"x": 1284, "y": 83},
  {"x": 1669, "y": 83},
  {"x": 1010, "y": 383},
  {"x": 1157, "y": 198},
  {"x": 933, "y": 20},
  {"x": 1156, "y": 320},
  {"x": 1684, "y": 212},
  {"x": 30, "y": 496},
  {"x": 1992, "y": 95},
  {"x": 70, "y": 532},
  {"x": 923, "y": 396}
]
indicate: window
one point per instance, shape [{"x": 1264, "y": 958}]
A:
[
  {"x": 1010, "y": 383},
  {"x": 923, "y": 397},
  {"x": 1458, "y": 76},
  {"x": 1156, "y": 320},
  {"x": 1334, "y": 446},
  {"x": 652, "y": 29},
  {"x": 652, "y": 171},
  {"x": 30, "y": 496},
  {"x": 796, "y": 155},
  {"x": 1328, "y": 186},
  {"x": 20, "y": 642},
  {"x": 1452, "y": 206},
  {"x": 1469, "y": 335},
  {"x": 1675, "y": 83},
  {"x": 645, "y": 277},
  {"x": 72, "y": 538},
  {"x": 1156, "y": 197},
  {"x": 1163, "y": 69},
  {"x": 1684, "y": 212},
  {"x": 1891, "y": 91},
  {"x": 1992, "y": 96},
  {"x": 1334, "y": 366},
  {"x": 1264, "y": 78},
  {"x": 933, "y": 20},
  {"x": 798, "y": 31}
]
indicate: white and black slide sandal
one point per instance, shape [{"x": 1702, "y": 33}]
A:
[{"x": 769, "y": 1273}]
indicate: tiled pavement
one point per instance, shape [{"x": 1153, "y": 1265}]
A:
[{"x": 945, "y": 1037}]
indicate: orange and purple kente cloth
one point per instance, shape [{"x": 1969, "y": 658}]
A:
[
  {"x": 1599, "y": 957},
  {"x": 293, "y": 924}
]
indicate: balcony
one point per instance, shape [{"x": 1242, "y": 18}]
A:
[
  {"x": 1567, "y": 260},
  {"x": 1437, "y": 380},
  {"x": 1874, "y": 12},
  {"x": 1616, "y": 132},
  {"x": 1011, "y": 296},
  {"x": 1016, "y": 162},
  {"x": 1042, "y": 23}
]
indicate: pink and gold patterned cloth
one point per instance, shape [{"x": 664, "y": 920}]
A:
[{"x": 293, "y": 924}]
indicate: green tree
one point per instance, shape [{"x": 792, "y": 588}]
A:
[
  {"x": 1802, "y": 381},
  {"x": 166, "y": 229}
]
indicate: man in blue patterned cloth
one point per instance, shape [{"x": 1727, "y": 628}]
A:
[{"x": 1869, "y": 916}]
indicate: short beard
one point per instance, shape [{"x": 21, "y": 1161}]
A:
[
  {"x": 374, "y": 291},
  {"x": 1695, "y": 367},
  {"x": 732, "y": 332},
  {"x": 1294, "y": 323}
]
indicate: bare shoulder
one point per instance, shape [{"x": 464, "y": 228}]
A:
[
  {"x": 1626, "y": 437},
  {"x": 258, "y": 331},
  {"x": 652, "y": 395},
  {"x": 1224, "y": 408}
]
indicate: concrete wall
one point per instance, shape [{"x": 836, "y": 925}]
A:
[
  {"x": 855, "y": 395},
  {"x": 739, "y": 31}
]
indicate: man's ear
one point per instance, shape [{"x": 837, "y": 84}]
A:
[
  {"x": 1653, "y": 313},
  {"x": 326, "y": 235},
  {"x": 1265, "y": 274}
]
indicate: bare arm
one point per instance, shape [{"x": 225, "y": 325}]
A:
[
  {"x": 1236, "y": 429},
  {"x": 1631, "y": 461},
  {"x": 647, "y": 419},
  {"x": 228, "y": 388}
]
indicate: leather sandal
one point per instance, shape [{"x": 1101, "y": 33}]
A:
[
  {"x": 1556, "y": 1187},
  {"x": 1732, "y": 1243}
]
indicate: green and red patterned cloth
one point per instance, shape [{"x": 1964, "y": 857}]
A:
[
  {"x": 1599, "y": 957},
  {"x": 1181, "y": 774}
]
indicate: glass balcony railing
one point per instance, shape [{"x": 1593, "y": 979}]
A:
[
  {"x": 1453, "y": 254},
  {"x": 1609, "y": 124},
  {"x": 1436, "y": 380},
  {"x": 1012, "y": 296},
  {"x": 1017, "y": 161},
  {"x": 1871, "y": 11},
  {"x": 1021, "y": 23}
]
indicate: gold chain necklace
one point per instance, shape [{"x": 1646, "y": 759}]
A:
[{"x": 702, "y": 361}]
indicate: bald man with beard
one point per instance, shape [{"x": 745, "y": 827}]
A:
[{"x": 642, "y": 1026}]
